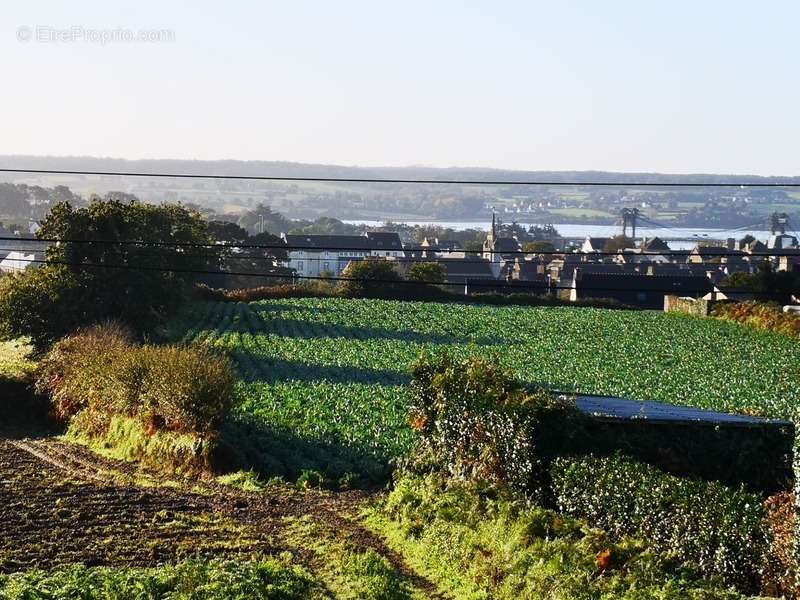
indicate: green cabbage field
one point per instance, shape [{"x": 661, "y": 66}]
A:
[{"x": 337, "y": 369}]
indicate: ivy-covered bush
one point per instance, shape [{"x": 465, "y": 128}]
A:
[
  {"x": 719, "y": 529},
  {"x": 479, "y": 423}
]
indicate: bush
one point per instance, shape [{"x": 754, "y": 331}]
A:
[
  {"x": 479, "y": 423},
  {"x": 370, "y": 278},
  {"x": 44, "y": 304},
  {"x": 761, "y": 316},
  {"x": 427, "y": 272},
  {"x": 100, "y": 374},
  {"x": 523, "y": 299},
  {"x": 719, "y": 529},
  {"x": 276, "y": 292}
]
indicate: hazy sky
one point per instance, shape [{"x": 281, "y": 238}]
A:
[{"x": 709, "y": 86}]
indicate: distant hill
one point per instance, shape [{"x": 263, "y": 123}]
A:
[
  {"x": 293, "y": 169},
  {"x": 700, "y": 206}
]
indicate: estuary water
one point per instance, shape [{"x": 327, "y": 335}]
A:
[{"x": 579, "y": 230}]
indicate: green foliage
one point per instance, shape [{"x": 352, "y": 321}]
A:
[
  {"x": 310, "y": 478},
  {"x": 718, "y": 529},
  {"x": 767, "y": 285},
  {"x": 350, "y": 571},
  {"x": 478, "y": 422},
  {"x": 371, "y": 577},
  {"x": 263, "y": 218},
  {"x": 335, "y": 371},
  {"x": 225, "y": 231},
  {"x": 427, "y": 272},
  {"x": 539, "y": 246},
  {"x": 15, "y": 360},
  {"x": 267, "y": 579},
  {"x": 370, "y": 277},
  {"x": 478, "y": 541},
  {"x": 99, "y": 374},
  {"x": 91, "y": 282},
  {"x": 617, "y": 243},
  {"x": 43, "y": 304}
]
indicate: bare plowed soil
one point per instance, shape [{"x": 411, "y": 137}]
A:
[{"x": 61, "y": 503}]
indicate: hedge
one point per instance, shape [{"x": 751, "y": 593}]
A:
[
  {"x": 719, "y": 529},
  {"x": 477, "y": 422}
]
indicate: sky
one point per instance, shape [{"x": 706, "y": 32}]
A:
[{"x": 673, "y": 87}]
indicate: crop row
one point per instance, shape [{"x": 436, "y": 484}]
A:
[{"x": 337, "y": 369}]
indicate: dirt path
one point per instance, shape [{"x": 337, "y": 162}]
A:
[{"x": 61, "y": 503}]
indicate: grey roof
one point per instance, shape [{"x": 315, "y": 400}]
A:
[
  {"x": 620, "y": 408},
  {"x": 373, "y": 240},
  {"x": 683, "y": 268},
  {"x": 655, "y": 244},
  {"x": 470, "y": 267},
  {"x": 526, "y": 269},
  {"x": 437, "y": 244},
  {"x": 384, "y": 240},
  {"x": 597, "y": 268},
  {"x": 610, "y": 282},
  {"x": 327, "y": 242}
]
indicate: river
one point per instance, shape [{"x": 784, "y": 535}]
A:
[{"x": 574, "y": 230}]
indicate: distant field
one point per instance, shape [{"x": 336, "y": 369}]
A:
[
  {"x": 581, "y": 212},
  {"x": 337, "y": 369},
  {"x": 233, "y": 209}
]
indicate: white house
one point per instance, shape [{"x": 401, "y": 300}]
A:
[
  {"x": 315, "y": 255},
  {"x": 16, "y": 262}
]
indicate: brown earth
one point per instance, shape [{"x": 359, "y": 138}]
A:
[{"x": 61, "y": 503}]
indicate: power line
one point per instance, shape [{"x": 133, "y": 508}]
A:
[{"x": 402, "y": 181}]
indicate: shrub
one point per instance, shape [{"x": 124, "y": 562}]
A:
[
  {"x": 425, "y": 292},
  {"x": 315, "y": 289},
  {"x": 480, "y": 424},
  {"x": 372, "y": 278},
  {"x": 761, "y": 316},
  {"x": 75, "y": 370},
  {"x": 426, "y": 272},
  {"x": 99, "y": 373},
  {"x": 43, "y": 304},
  {"x": 719, "y": 529}
]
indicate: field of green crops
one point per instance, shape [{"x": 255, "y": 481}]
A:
[{"x": 336, "y": 369}]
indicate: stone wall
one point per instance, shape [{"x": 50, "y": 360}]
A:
[{"x": 689, "y": 306}]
